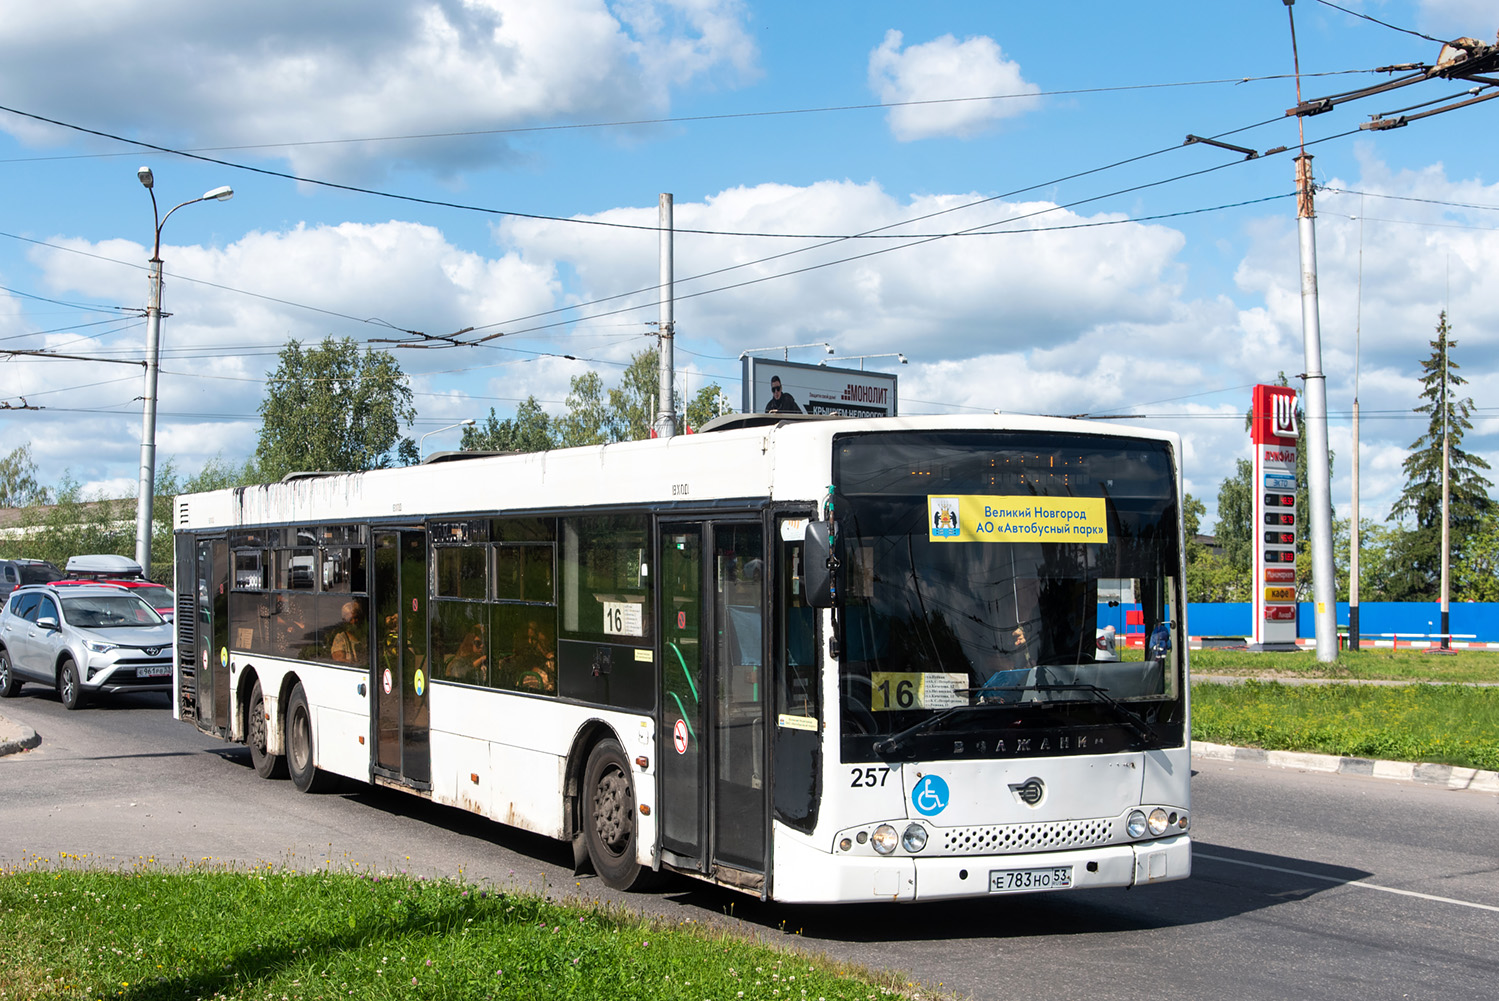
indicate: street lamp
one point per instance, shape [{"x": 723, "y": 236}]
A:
[
  {"x": 422, "y": 441},
  {"x": 843, "y": 358},
  {"x": 153, "y": 361},
  {"x": 785, "y": 349}
]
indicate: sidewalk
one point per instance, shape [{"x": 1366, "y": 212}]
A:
[
  {"x": 1446, "y": 776},
  {"x": 15, "y": 737}
]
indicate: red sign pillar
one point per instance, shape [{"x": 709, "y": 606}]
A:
[{"x": 1276, "y": 519}]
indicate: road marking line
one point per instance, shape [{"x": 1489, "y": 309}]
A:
[{"x": 1349, "y": 882}]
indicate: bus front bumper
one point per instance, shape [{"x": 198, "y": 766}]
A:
[{"x": 807, "y": 876}]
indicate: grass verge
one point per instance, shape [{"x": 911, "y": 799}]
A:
[
  {"x": 1381, "y": 664},
  {"x": 1445, "y": 724},
  {"x": 210, "y": 931}
]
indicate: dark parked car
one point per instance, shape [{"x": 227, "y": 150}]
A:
[
  {"x": 14, "y": 573},
  {"x": 83, "y": 640}
]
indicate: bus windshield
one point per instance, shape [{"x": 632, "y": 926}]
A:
[{"x": 1007, "y": 593}]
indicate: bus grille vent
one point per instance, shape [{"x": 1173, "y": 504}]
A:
[
  {"x": 182, "y": 516},
  {"x": 1009, "y": 838}
]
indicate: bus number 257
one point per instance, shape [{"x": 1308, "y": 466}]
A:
[{"x": 868, "y": 778}]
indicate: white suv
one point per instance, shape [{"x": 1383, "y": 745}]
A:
[{"x": 83, "y": 639}]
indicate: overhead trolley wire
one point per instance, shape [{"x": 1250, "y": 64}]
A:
[{"x": 686, "y": 119}]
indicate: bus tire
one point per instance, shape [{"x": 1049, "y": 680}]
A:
[
  {"x": 267, "y": 765},
  {"x": 301, "y": 755},
  {"x": 609, "y": 818}
]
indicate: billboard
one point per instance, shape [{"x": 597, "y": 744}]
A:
[
  {"x": 818, "y": 389},
  {"x": 1273, "y": 432}
]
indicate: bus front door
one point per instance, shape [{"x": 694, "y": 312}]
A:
[
  {"x": 713, "y": 787},
  {"x": 402, "y": 679}
]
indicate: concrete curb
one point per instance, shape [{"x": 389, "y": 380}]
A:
[
  {"x": 14, "y": 737},
  {"x": 1446, "y": 776}
]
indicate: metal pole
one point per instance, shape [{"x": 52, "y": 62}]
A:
[
  {"x": 1446, "y": 491},
  {"x": 1353, "y": 541},
  {"x": 147, "y": 495},
  {"x": 1318, "y": 472},
  {"x": 666, "y": 417}
]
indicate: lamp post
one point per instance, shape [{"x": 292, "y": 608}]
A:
[
  {"x": 892, "y": 354},
  {"x": 153, "y": 360},
  {"x": 786, "y": 349},
  {"x": 421, "y": 442}
]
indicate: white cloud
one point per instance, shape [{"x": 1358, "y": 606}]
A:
[
  {"x": 1088, "y": 320},
  {"x": 279, "y": 72},
  {"x": 942, "y": 69}
]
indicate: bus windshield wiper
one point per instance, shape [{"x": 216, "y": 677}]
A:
[
  {"x": 893, "y": 743},
  {"x": 1128, "y": 716}
]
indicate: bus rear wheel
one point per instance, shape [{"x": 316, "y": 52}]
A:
[
  {"x": 609, "y": 818},
  {"x": 267, "y": 765},
  {"x": 300, "y": 756}
]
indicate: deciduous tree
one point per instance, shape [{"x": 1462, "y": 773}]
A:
[{"x": 334, "y": 407}]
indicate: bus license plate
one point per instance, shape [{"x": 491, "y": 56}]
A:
[
  {"x": 164, "y": 671},
  {"x": 1022, "y": 880}
]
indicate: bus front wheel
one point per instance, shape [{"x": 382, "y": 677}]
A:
[{"x": 609, "y": 818}]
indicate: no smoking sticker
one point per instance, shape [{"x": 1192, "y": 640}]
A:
[
  {"x": 386, "y": 681},
  {"x": 679, "y": 736}
]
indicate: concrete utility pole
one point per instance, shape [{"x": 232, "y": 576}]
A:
[
  {"x": 666, "y": 415},
  {"x": 1318, "y": 469}
]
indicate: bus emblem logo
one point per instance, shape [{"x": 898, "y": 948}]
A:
[
  {"x": 943, "y": 512},
  {"x": 1029, "y": 792},
  {"x": 930, "y": 796}
]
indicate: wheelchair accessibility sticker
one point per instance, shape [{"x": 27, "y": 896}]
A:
[{"x": 930, "y": 796}]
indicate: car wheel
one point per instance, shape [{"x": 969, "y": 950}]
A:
[
  {"x": 267, "y": 765},
  {"x": 9, "y": 683},
  {"x": 300, "y": 751},
  {"x": 69, "y": 685},
  {"x": 609, "y": 818}
]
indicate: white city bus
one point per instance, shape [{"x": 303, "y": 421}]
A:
[{"x": 817, "y": 660}]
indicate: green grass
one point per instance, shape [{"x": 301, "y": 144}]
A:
[
  {"x": 73, "y": 931},
  {"x": 1445, "y": 724},
  {"x": 1382, "y": 664}
]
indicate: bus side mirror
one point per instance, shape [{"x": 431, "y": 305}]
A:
[{"x": 817, "y": 554}]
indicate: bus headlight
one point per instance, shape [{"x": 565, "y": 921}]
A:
[
  {"x": 1157, "y": 821},
  {"x": 914, "y": 840},
  {"x": 1135, "y": 825},
  {"x": 884, "y": 839}
]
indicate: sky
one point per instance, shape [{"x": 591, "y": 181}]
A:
[{"x": 998, "y": 192}]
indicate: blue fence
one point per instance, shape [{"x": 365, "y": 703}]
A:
[{"x": 1405, "y": 618}]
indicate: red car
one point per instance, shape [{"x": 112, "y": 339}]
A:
[{"x": 121, "y": 572}]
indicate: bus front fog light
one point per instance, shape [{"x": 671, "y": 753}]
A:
[
  {"x": 1157, "y": 821},
  {"x": 914, "y": 840},
  {"x": 884, "y": 839},
  {"x": 1135, "y": 825},
  {"x": 1181, "y": 821}
]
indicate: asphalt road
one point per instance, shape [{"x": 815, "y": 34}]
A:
[{"x": 1305, "y": 886}]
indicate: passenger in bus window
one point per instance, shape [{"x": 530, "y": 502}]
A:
[
  {"x": 350, "y": 641},
  {"x": 470, "y": 662},
  {"x": 533, "y": 666}
]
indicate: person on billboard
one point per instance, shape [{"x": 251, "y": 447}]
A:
[{"x": 780, "y": 403}]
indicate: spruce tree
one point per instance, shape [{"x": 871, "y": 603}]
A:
[{"x": 1416, "y": 571}]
